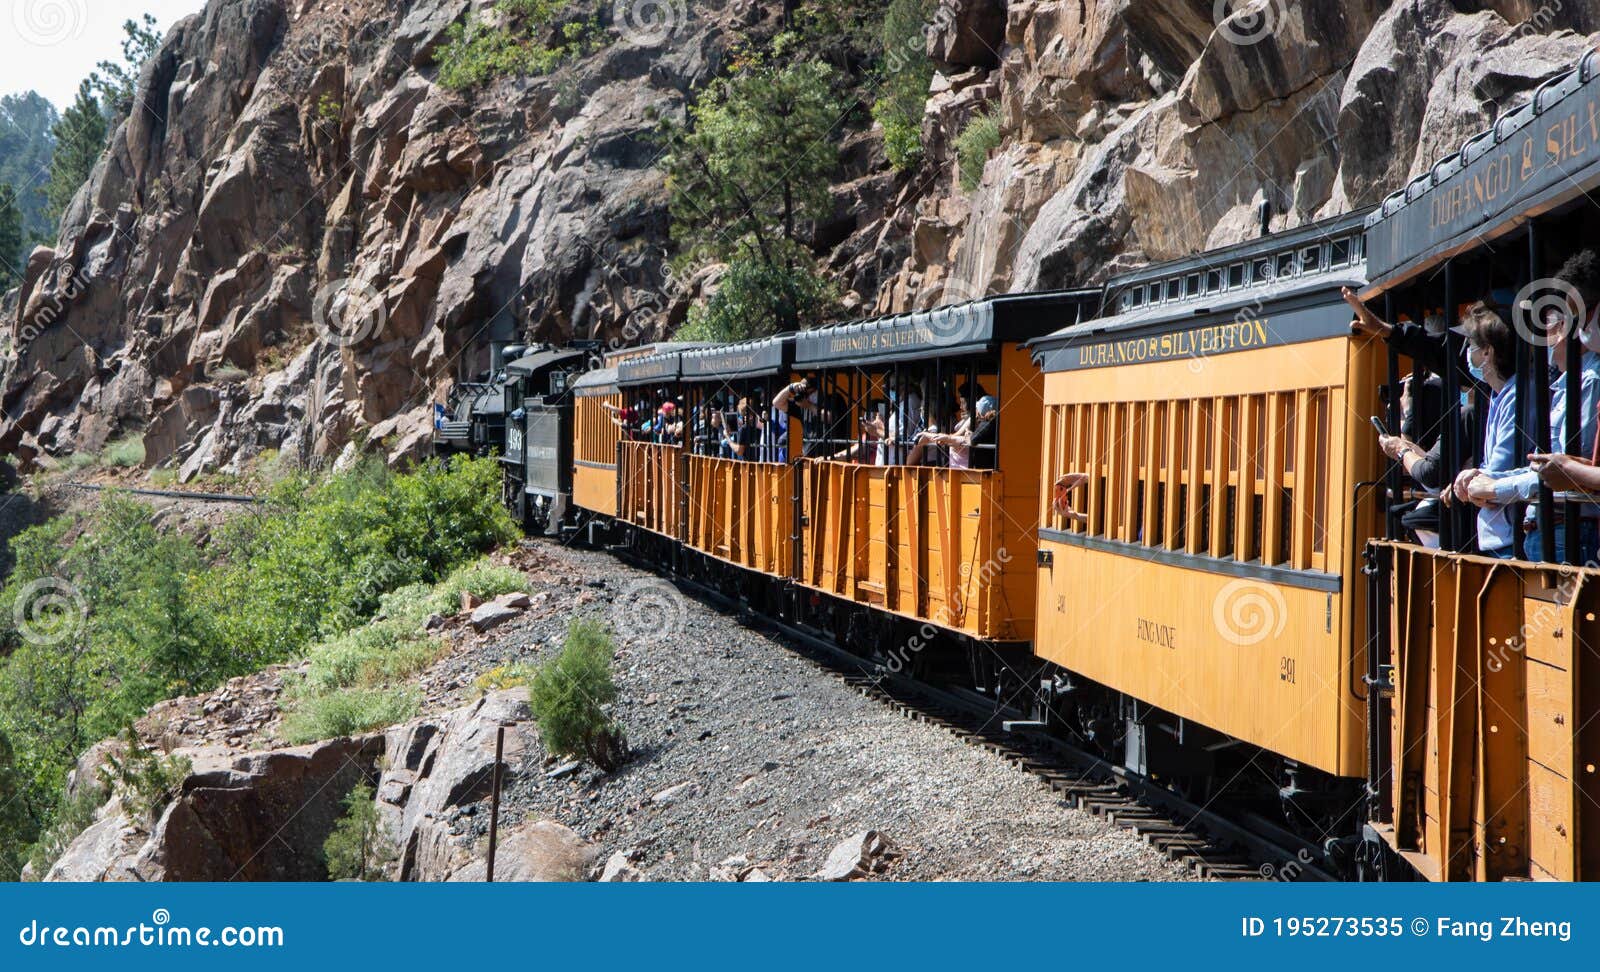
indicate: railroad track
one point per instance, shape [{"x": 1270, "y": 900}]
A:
[
  {"x": 171, "y": 493},
  {"x": 1203, "y": 839}
]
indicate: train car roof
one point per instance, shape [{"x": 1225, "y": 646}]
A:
[
  {"x": 1534, "y": 158},
  {"x": 596, "y": 381},
  {"x": 949, "y": 331},
  {"x": 1304, "y": 309},
  {"x": 540, "y": 360},
  {"x": 1290, "y": 245},
  {"x": 662, "y": 364},
  {"x": 746, "y": 359}
]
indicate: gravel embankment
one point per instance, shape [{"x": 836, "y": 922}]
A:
[{"x": 744, "y": 749}]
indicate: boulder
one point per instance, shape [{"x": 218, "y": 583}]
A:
[
  {"x": 486, "y": 616},
  {"x": 859, "y": 855},
  {"x": 539, "y": 850},
  {"x": 619, "y": 868}
]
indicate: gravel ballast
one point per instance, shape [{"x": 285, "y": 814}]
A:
[{"x": 747, "y": 755}]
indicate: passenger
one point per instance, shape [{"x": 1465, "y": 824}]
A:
[
  {"x": 1062, "y": 500},
  {"x": 865, "y": 449},
  {"x": 1425, "y": 466},
  {"x": 969, "y": 433},
  {"x": 715, "y": 435},
  {"x": 906, "y": 422},
  {"x": 624, "y": 418},
  {"x": 1423, "y": 343},
  {"x": 1522, "y": 485},
  {"x": 829, "y": 420},
  {"x": 1491, "y": 358},
  {"x": 743, "y": 439}
]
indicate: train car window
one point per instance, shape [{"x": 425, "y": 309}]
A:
[
  {"x": 1213, "y": 281},
  {"x": 1126, "y": 300},
  {"x": 1262, "y": 272},
  {"x": 1311, "y": 259},
  {"x": 1340, "y": 253},
  {"x": 1233, "y": 477},
  {"x": 1285, "y": 264},
  {"x": 1174, "y": 288},
  {"x": 1191, "y": 285},
  {"x": 1236, "y": 275},
  {"x": 1138, "y": 296}
]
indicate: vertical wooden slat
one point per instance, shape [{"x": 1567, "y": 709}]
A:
[
  {"x": 1304, "y": 481},
  {"x": 1199, "y": 426},
  {"x": 1272, "y": 508},
  {"x": 1220, "y": 434},
  {"x": 1097, "y": 471},
  {"x": 1244, "y": 479},
  {"x": 1172, "y": 474},
  {"x": 1155, "y": 445}
]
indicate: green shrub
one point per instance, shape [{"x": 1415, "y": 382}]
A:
[
  {"x": 569, "y": 694},
  {"x": 146, "y": 781},
  {"x": 481, "y": 579},
  {"x": 125, "y": 453},
  {"x": 755, "y": 298},
  {"x": 136, "y": 614},
  {"x": 907, "y": 73},
  {"x": 532, "y": 37},
  {"x": 980, "y": 137},
  {"x": 357, "y": 849},
  {"x": 371, "y": 655},
  {"x": 347, "y": 712}
]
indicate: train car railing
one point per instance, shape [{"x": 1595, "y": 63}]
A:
[
  {"x": 926, "y": 543},
  {"x": 742, "y": 512},
  {"x": 648, "y": 483},
  {"x": 1490, "y": 697}
]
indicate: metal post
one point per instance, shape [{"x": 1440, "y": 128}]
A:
[
  {"x": 494, "y": 800},
  {"x": 1450, "y": 519},
  {"x": 1573, "y": 414},
  {"x": 1392, "y": 479},
  {"x": 1541, "y": 415}
]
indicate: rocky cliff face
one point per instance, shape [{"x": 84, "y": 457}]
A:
[{"x": 306, "y": 237}]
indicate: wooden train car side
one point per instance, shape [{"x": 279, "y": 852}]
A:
[
  {"x": 1486, "y": 671},
  {"x": 1215, "y": 572}
]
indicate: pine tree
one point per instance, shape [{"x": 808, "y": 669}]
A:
[
  {"x": 10, "y": 238},
  {"x": 118, "y": 84},
  {"x": 749, "y": 171},
  {"x": 80, "y": 136},
  {"x": 25, "y": 149}
]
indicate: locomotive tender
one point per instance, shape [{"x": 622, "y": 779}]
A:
[{"x": 1154, "y": 515}]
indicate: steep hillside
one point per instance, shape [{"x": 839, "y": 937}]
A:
[{"x": 303, "y": 237}]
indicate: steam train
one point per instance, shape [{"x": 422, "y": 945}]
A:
[{"x": 1154, "y": 514}]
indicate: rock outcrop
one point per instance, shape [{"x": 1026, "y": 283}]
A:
[
  {"x": 263, "y": 816},
  {"x": 306, "y": 237}
]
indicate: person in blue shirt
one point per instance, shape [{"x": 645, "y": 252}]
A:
[
  {"x": 1521, "y": 485},
  {"x": 1491, "y": 357}
]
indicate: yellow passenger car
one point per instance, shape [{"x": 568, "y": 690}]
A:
[
  {"x": 917, "y": 483},
  {"x": 1210, "y": 445}
]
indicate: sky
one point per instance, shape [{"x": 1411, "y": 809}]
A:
[{"x": 51, "y": 45}]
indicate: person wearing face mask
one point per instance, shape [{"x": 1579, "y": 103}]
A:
[
  {"x": 1522, "y": 485},
  {"x": 1491, "y": 359}
]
